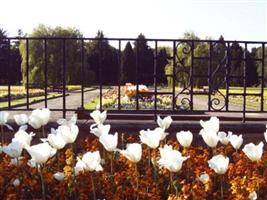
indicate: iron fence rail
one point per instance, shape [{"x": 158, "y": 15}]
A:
[{"x": 182, "y": 51}]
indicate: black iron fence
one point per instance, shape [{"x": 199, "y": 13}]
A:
[{"x": 137, "y": 76}]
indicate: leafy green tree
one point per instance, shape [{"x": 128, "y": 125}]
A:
[
  {"x": 54, "y": 56},
  {"x": 128, "y": 64}
]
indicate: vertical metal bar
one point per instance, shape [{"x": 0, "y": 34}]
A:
[
  {"x": 64, "y": 77},
  {"x": 9, "y": 75},
  {"x": 192, "y": 77},
  {"x": 27, "y": 74},
  {"x": 45, "y": 71},
  {"x": 100, "y": 73},
  {"x": 119, "y": 76},
  {"x": 173, "y": 75},
  {"x": 262, "y": 77},
  {"x": 228, "y": 63},
  {"x": 136, "y": 74},
  {"x": 155, "y": 79},
  {"x": 244, "y": 83},
  {"x": 210, "y": 76},
  {"x": 82, "y": 74}
]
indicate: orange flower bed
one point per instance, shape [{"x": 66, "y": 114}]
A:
[{"x": 143, "y": 180}]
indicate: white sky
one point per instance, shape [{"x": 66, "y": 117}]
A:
[{"x": 234, "y": 19}]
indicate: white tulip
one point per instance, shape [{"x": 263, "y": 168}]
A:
[
  {"x": 224, "y": 138},
  {"x": 16, "y": 182},
  {"x": 212, "y": 125},
  {"x": 39, "y": 117},
  {"x": 1, "y": 149},
  {"x": 109, "y": 141},
  {"x": 253, "y": 152},
  {"x": 23, "y": 137},
  {"x": 210, "y": 138},
  {"x": 150, "y": 138},
  {"x": 236, "y": 141},
  {"x": 40, "y": 153},
  {"x": 253, "y": 196},
  {"x": 21, "y": 119},
  {"x": 161, "y": 132},
  {"x": 70, "y": 122},
  {"x": 3, "y": 117},
  {"x": 265, "y": 134},
  {"x": 31, "y": 163},
  {"x": 68, "y": 133},
  {"x": 79, "y": 166},
  {"x": 55, "y": 139},
  {"x": 219, "y": 164},
  {"x": 171, "y": 159},
  {"x": 100, "y": 129},
  {"x": 16, "y": 161},
  {"x": 185, "y": 138},
  {"x": 14, "y": 149},
  {"x": 165, "y": 122},
  {"x": 3, "y": 120},
  {"x": 99, "y": 117},
  {"x": 92, "y": 161},
  {"x": 133, "y": 152},
  {"x": 204, "y": 178},
  {"x": 59, "y": 176}
]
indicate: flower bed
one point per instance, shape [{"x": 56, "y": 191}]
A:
[
  {"x": 151, "y": 165},
  {"x": 146, "y": 100}
]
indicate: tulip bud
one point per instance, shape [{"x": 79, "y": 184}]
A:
[
  {"x": 165, "y": 122},
  {"x": 236, "y": 141},
  {"x": 59, "y": 176},
  {"x": 253, "y": 152},
  {"x": 133, "y": 152},
  {"x": 16, "y": 182},
  {"x": 109, "y": 141},
  {"x": 171, "y": 159},
  {"x": 21, "y": 119},
  {"x": 219, "y": 164},
  {"x": 99, "y": 117},
  {"x": 185, "y": 138}
]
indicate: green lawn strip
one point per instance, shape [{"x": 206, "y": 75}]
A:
[
  {"x": 21, "y": 102},
  {"x": 237, "y": 102},
  {"x": 92, "y": 105}
]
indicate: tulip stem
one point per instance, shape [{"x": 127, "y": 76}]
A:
[
  {"x": 222, "y": 187},
  {"x": 43, "y": 131},
  {"x": 149, "y": 157},
  {"x": 111, "y": 164},
  {"x": 2, "y": 135},
  {"x": 171, "y": 182},
  {"x": 39, "y": 168},
  {"x": 137, "y": 182},
  {"x": 93, "y": 185}
]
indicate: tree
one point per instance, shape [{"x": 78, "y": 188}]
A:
[
  {"x": 145, "y": 60},
  {"x": 103, "y": 60},
  {"x": 252, "y": 78},
  {"x": 4, "y": 53},
  {"x": 54, "y": 56},
  {"x": 128, "y": 64},
  {"x": 162, "y": 61}
]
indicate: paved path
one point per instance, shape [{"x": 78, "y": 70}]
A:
[{"x": 73, "y": 101}]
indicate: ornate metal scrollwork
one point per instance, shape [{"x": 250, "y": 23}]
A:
[
  {"x": 182, "y": 74},
  {"x": 218, "y": 76}
]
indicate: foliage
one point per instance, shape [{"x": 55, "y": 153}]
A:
[{"x": 54, "y": 56}]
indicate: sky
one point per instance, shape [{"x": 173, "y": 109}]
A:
[{"x": 234, "y": 19}]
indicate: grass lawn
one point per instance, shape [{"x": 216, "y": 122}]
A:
[{"x": 23, "y": 101}]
